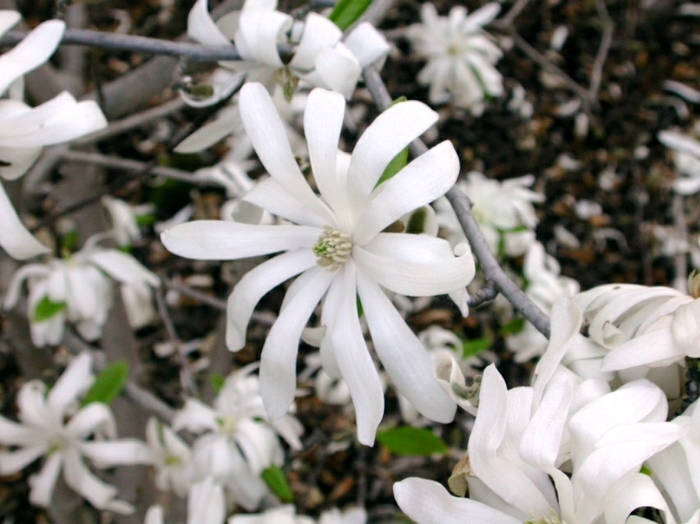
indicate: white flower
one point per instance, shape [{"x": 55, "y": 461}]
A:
[
  {"x": 503, "y": 211},
  {"x": 51, "y": 426},
  {"x": 239, "y": 443},
  {"x": 205, "y": 505},
  {"x": 78, "y": 290},
  {"x": 460, "y": 56},
  {"x": 171, "y": 458},
  {"x": 317, "y": 54},
  {"x": 24, "y": 131},
  {"x": 341, "y": 252},
  {"x": 287, "y": 515},
  {"x": 686, "y": 153}
]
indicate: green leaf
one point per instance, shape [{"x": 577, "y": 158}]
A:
[
  {"x": 417, "y": 221},
  {"x": 471, "y": 348},
  {"x": 217, "y": 382},
  {"x": 645, "y": 471},
  {"x": 407, "y": 440},
  {"x": 108, "y": 384},
  {"x": 145, "y": 220},
  {"x": 346, "y": 12},
  {"x": 46, "y": 309},
  {"x": 277, "y": 482},
  {"x": 514, "y": 326},
  {"x": 399, "y": 161}
]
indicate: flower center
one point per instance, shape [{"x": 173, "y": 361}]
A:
[
  {"x": 227, "y": 425},
  {"x": 553, "y": 519},
  {"x": 333, "y": 248}
]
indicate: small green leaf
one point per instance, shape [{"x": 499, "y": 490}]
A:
[
  {"x": 360, "y": 309},
  {"x": 417, "y": 221},
  {"x": 217, "y": 382},
  {"x": 145, "y": 220},
  {"x": 277, "y": 482},
  {"x": 407, "y": 440},
  {"x": 471, "y": 348},
  {"x": 514, "y": 326},
  {"x": 346, "y": 12},
  {"x": 396, "y": 165},
  {"x": 46, "y": 309},
  {"x": 108, "y": 384},
  {"x": 645, "y": 471}
]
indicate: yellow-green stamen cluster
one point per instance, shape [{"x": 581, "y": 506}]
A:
[{"x": 333, "y": 248}]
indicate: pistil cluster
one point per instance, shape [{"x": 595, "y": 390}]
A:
[{"x": 333, "y": 248}]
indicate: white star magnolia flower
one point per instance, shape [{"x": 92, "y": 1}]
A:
[
  {"x": 318, "y": 55},
  {"x": 205, "y": 505},
  {"x": 78, "y": 290},
  {"x": 341, "y": 252},
  {"x": 51, "y": 426},
  {"x": 460, "y": 56},
  {"x": 522, "y": 436},
  {"x": 503, "y": 211},
  {"x": 239, "y": 443},
  {"x": 686, "y": 154},
  {"x": 24, "y": 131},
  {"x": 125, "y": 227}
]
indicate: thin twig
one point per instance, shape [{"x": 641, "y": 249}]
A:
[
  {"x": 186, "y": 377},
  {"x": 136, "y": 166},
  {"x": 462, "y": 207},
  {"x": 603, "y": 49},
  {"x": 488, "y": 292},
  {"x": 681, "y": 258},
  {"x": 197, "y": 295},
  {"x": 509, "y": 17},
  {"x": 550, "y": 66},
  {"x": 143, "y": 44}
]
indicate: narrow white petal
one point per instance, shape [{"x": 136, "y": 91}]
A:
[
  {"x": 14, "y": 461},
  {"x": 209, "y": 134},
  {"x": 685, "y": 328},
  {"x": 107, "y": 454},
  {"x": 205, "y": 503},
  {"x": 31, "y": 52},
  {"x": 323, "y": 120},
  {"x": 12, "y": 433},
  {"x": 17, "y": 161},
  {"x": 408, "y": 271},
  {"x": 33, "y": 410},
  {"x": 390, "y": 132},
  {"x": 403, "y": 356},
  {"x": 425, "y": 179},
  {"x": 84, "y": 482},
  {"x": 279, "y": 354},
  {"x": 272, "y": 197},
  {"x": 319, "y": 33},
  {"x": 14, "y": 237},
  {"x": 154, "y": 515},
  {"x": 14, "y": 288},
  {"x": 43, "y": 483},
  {"x": 482, "y": 16},
  {"x": 269, "y": 138},
  {"x": 257, "y": 283},
  {"x": 74, "y": 381},
  {"x": 8, "y": 19},
  {"x": 639, "y": 492},
  {"x": 336, "y": 69},
  {"x": 367, "y": 44},
  {"x": 123, "y": 268},
  {"x": 680, "y": 142},
  {"x": 657, "y": 347},
  {"x": 353, "y": 358},
  {"x": 259, "y": 30},
  {"x": 202, "y": 28},
  {"x": 195, "y": 416},
  {"x": 427, "y": 502},
  {"x": 222, "y": 240},
  {"x": 93, "y": 417}
]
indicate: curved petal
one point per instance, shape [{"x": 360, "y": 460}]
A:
[
  {"x": 279, "y": 354},
  {"x": 85, "y": 483},
  {"x": 482, "y": 16},
  {"x": 31, "y": 52},
  {"x": 257, "y": 283},
  {"x": 8, "y": 19},
  {"x": 269, "y": 138},
  {"x": 419, "y": 266},
  {"x": 657, "y": 347},
  {"x": 92, "y": 418},
  {"x": 403, "y": 356},
  {"x": 123, "y": 268},
  {"x": 353, "y": 358},
  {"x": 110, "y": 453},
  {"x": 223, "y": 240},
  {"x": 319, "y": 32},
  {"x": 33, "y": 410},
  {"x": 390, "y": 132},
  {"x": 685, "y": 329},
  {"x": 427, "y": 502},
  {"x": 14, "y": 461},
  {"x": 425, "y": 179},
  {"x": 25, "y": 272},
  {"x": 15, "y": 434},
  {"x": 205, "y": 503},
  {"x": 14, "y": 237},
  {"x": 259, "y": 31},
  {"x": 336, "y": 69},
  {"x": 202, "y": 28},
  {"x": 367, "y": 44},
  {"x": 272, "y": 197},
  {"x": 74, "y": 381},
  {"x": 323, "y": 121},
  {"x": 43, "y": 483},
  {"x": 195, "y": 416}
]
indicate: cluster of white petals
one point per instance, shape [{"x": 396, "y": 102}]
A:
[
  {"x": 503, "y": 210},
  {"x": 566, "y": 450},
  {"x": 24, "y": 131},
  {"x": 316, "y": 53},
  {"x": 53, "y": 425},
  {"x": 124, "y": 219},
  {"x": 237, "y": 441},
  {"x": 338, "y": 245},
  {"x": 460, "y": 55},
  {"x": 78, "y": 290}
]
